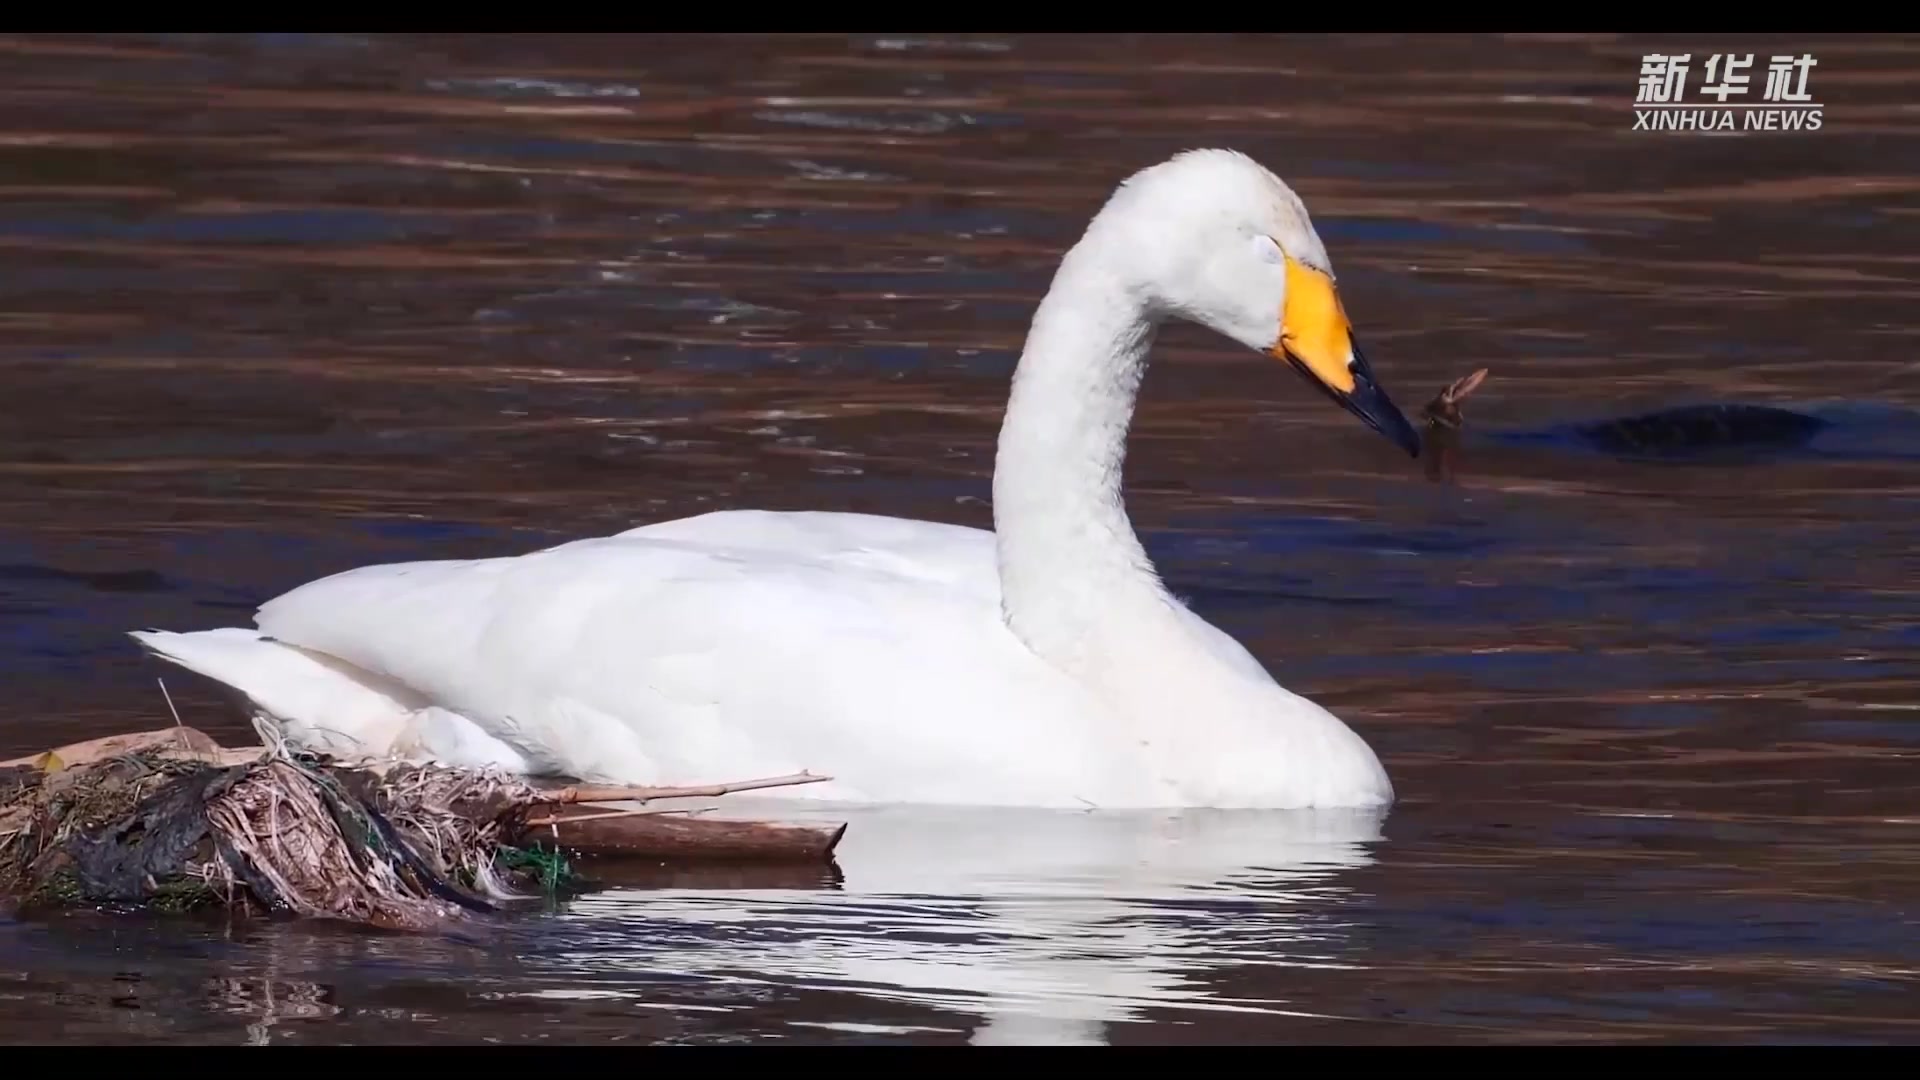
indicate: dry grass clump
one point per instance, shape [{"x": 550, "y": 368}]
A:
[{"x": 170, "y": 821}]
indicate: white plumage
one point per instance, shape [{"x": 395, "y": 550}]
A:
[{"x": 1041, "y": 664}]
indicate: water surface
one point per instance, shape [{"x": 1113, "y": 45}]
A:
[{"x": 272, "y": 306}]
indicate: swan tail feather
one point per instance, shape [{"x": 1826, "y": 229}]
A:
[{"x": 317, "y": 703}]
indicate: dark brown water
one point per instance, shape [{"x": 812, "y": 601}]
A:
[{"x": 273, "y": 306}]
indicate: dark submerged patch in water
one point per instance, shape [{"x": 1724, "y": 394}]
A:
[
  {"x": 1720, "y": 432},
  {"x": 1694, "y": 429}
]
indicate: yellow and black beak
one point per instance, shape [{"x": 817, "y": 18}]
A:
[{"x": 1317, "y": 340}]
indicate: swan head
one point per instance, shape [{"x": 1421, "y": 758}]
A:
[{"x": 1213, "y": 237}]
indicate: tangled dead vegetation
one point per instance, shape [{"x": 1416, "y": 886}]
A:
[{"x": 170, "y": 821}]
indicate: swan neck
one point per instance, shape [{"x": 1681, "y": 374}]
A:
[{"x": 1070, "y": 560}]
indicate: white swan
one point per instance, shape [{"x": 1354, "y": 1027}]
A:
[{"x": 1040, "y": 664}]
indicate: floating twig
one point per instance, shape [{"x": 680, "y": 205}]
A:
[
  {"x": 595, "y": 793},
  {"x": 1444, "y": 421}
]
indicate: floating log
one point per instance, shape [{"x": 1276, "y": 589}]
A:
[
  {"x": 678, "y": 836},
  {"x": 709, "y": 875}
]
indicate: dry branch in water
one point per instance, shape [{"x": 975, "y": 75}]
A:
[
  {"x": 586, "y": 793},
  {"x": 170, "y": 820},
  {"x": 1444, "y": 421}
]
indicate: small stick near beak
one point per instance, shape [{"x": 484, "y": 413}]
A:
[{"x": 1444, "y": 422}]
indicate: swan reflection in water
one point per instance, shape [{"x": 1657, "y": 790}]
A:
[{"x": 1047, "y": 926}]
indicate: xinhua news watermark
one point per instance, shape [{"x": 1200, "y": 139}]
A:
[{"x": 1785, "y": 104}]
